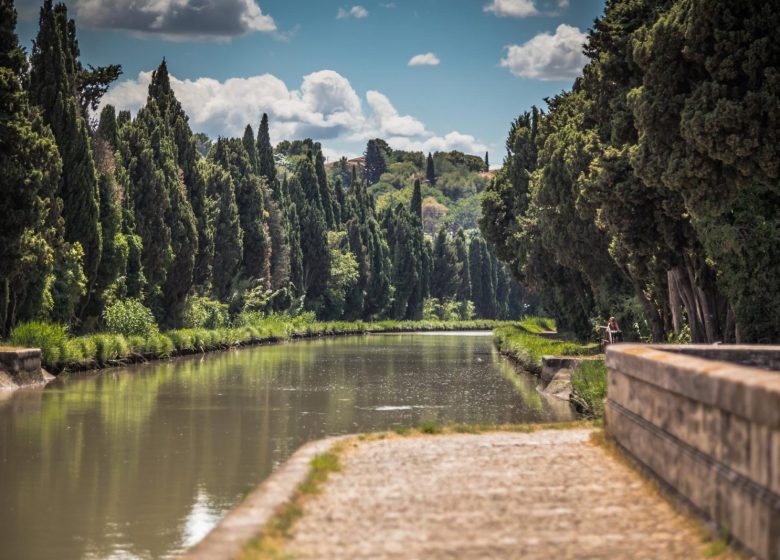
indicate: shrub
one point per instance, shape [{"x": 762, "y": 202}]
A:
[
  {"x": 130, "y": 318},
  {"x": 205, "y": 313},
  {"x": 51, "y": 338}
]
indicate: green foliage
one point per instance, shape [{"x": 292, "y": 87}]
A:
[
  {"x": 448, "y": 310},
  {"x": 343, "y": 278},
  {"x": 49, "y": 337},
  {"x": 205, "y": 313},
  {"x": 129, "y": 317}
]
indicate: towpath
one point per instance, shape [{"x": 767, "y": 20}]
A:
[{"x": 547, "y": 494}]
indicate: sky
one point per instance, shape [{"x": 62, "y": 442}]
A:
[{"x": 422, "y": 74}]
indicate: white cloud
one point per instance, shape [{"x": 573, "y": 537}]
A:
[
  {"x": 452, "y": 141},
  {"x": 357, "y": 12},
  {"x": 525, "y": 8},
  {"x": 512, "y": 8},
  {"x": 548, "y": 57},
  {"x": 325, "y": 107},
  {"x": 388, "y": 121},
  {"x": 427, "y": 59},
  {"x": 176, "y": 19}
]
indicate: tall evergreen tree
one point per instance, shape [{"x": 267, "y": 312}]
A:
[
  {"x": 251, "y": 149},
  {"x": 30, "y": 228},
  {"x": 228, "y": 236},
  {"x": 375, "y": 163},
  {"x": 177, "y": 159},
  {"x": 316, "y": 258},
  {"x": 487, "y": 162},
  {"x": 461, "y": 248},
  {"x": 280, "y": 248},
  {"x": 193, "y": 199},
  {"x": 256, "y": 260},
  {"x": 444, "y": 277},
  {"x": 53, "y": 88},
  {"x": 416, "y": 204},
  {"x": 401, "y": 231},
  {"x": 265, "y": 153},
  {"x": 296, "y": 251},
  {"x": 329, "y": 204},
  {"x": 430, "y": 171}
]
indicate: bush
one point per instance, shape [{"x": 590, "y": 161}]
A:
[
  {"x": 130, "y": 318},
  {"x": 205, "y": 313},
  {"x": 51, "y": 338}
]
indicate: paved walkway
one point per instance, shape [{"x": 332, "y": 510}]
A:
[{"x": 542, "y": 495}]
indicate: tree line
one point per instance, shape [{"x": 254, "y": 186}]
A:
[
  {"x": 651, "y": 190},
  {"x": 122, "y": 207}
]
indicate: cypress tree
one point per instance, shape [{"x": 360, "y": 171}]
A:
[
  {"x": 379, "y": 289},
  {"x": 265, "y": 153},
  {"x": 464, "y": 269},
  {"x": 175, "y": 150},
  {"x": 487, "y": 162},
  {"x": 314, "y": 249},
  {"x": 476, "y": 265},
  {"x": 329, "y": 205},
  {"x": 430, "y": 172},
  {"x": 280, "y": 248},
  {"x": 192, "y": 201},
  {"x": 256, "y": 260},
  {"x": 310, "y": 187},
  {"x": 416, "y": 204},
  {"x": 251, "y": 149},
  {"x": 30, "y": 227},
  {"x": 296, "y": 252},
  {"x": 53, "y": 87},
  {"x": 228, "y": 237},
  {"x": 107, "y": 128},
  {"x": 375, "y": 163},
  {"x": 444, "y": 278},
  {"x": 115, "y": 251},
  {"x": 401, "y": 231}
]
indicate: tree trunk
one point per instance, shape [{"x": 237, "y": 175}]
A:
[
  {"x": 656, "y": 321},
  {"x": 675, "y": 302}
]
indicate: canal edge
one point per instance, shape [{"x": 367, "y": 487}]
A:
[{"x": 248, "y": 519}]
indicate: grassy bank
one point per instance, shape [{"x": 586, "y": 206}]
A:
[
  {"x": 589, "y": 380},
  {"x": 522, "y": 345},
  {"x": 61, "y": 352}
]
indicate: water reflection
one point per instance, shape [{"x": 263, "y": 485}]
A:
[{"x": 142, "y": 462}]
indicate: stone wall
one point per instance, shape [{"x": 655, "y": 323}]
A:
[
  {"x": 20, "y": 367},
  {"x": 708, "y": 426}
]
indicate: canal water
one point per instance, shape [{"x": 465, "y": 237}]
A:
[{"x": 142, "y": 462}]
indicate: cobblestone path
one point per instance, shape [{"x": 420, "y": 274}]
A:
[{"x": 544, "y": 495}]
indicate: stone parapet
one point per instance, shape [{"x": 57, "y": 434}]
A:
[{"x": 706, "y": 422}]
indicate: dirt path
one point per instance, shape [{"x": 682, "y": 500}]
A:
[{"x": 548, "y": 494}]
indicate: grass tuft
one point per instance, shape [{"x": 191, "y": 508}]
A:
[{"x": 589, "y": 383}]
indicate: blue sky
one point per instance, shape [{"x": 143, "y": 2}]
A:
[{"x": 340, "y": 72}]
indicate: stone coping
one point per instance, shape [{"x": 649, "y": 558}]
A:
[
  {"x": 20, "y": 351},
  {"x": 248, "y": 519},
  {"x": 749, "y": 392}
]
